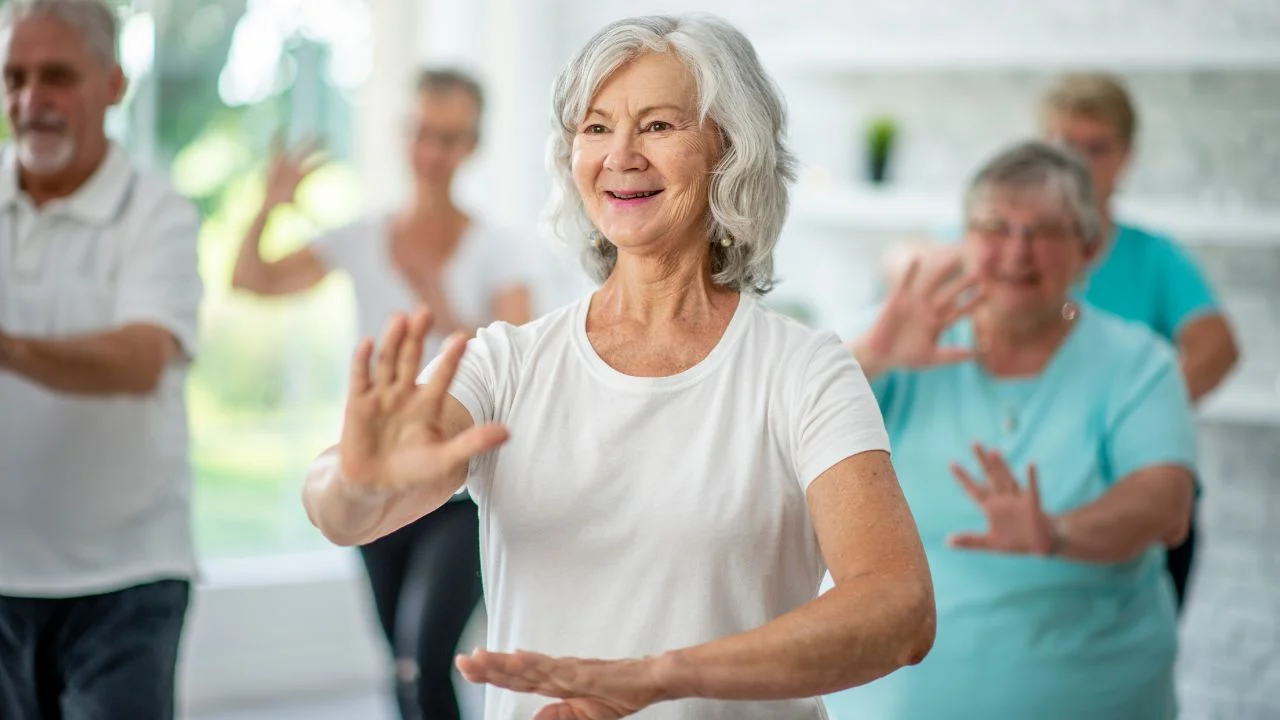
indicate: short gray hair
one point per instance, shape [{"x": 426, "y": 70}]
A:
[
  {"x": 95, "y": 20},
  {"x": 1044, "y": 167},
  {"x": 748, "y": 194}
]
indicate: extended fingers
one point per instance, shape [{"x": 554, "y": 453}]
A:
[
  {"x": 974, "y": 488},
  {"x": 996, "y": 470},
  {"x": 409, "y": 360},
  {"x": 360, "y": 381},
  {"x": 389, "y": 351},
  {"x": 471, "y": 442},
  {"x": 971, "y": 541},
  {"x": 437, "y": 386}
]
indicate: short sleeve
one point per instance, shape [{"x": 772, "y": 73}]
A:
[
  {"x": 159, "y": 280},
  {"x": 1149, "y": 419},
  {"x": 1187, "y": 293},
  {"x": 837, "y": 415},
  {"x": 476, "y": 384}
]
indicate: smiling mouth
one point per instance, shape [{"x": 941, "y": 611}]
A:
[{"x": 640, "y": 195}]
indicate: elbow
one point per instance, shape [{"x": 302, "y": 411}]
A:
[{"x": 922, "y": 624}]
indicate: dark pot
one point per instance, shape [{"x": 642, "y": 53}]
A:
[{"x": 878, "y": 167}]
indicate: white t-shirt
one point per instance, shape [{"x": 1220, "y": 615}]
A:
[
  {"x": 95, "y": 491},
  {"x": 627, "y": 516},
  {"x": 486, "y": 262}
]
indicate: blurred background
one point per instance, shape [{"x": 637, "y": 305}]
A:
[{"x": 280, "y": 626}]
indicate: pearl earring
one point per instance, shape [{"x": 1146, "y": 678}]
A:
[
  {"x": 597, "y": 239},
  {"x": 726, "y": 241},
  {"x": 1069, "y": 311}
]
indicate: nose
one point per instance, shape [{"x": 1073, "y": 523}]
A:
[
  {"x": 31, "y": 101},
  {"x": 624, "y": 153}
]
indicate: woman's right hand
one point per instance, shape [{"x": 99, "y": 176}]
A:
[
  {"x": 289, "y": 167},
  {"x": 396, "y": 434},
  {"x": 920, "y": 307}
]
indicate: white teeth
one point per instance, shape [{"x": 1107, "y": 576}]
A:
[{"x": 633, "y": 196}]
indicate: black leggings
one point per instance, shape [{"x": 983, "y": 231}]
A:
[
  {"x": 1179, "y": 561},
  {"x": 426, "y": 584}
]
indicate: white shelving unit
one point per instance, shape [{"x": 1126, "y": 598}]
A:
[
  {"x": 880, "y": 54},
  {"x": 870, "y": 209}
]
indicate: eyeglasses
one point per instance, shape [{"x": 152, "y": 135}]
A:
[{"x": 996, "y": 230}]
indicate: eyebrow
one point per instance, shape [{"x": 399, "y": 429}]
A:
[{"x": 643, "y": 111}]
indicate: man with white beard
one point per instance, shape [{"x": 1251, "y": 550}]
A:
[{"x": 98, "y": 302}]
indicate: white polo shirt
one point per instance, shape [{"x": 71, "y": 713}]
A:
[{"x": 95, "y": 490}]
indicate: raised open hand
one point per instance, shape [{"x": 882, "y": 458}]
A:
[
  {"x": 588, "y": 689},
  {"x": 289, "y": 167},
  {"x": 1016, "y": 522},
  {"x": 395, "y": 435},
  {"x": 921, "y": 306}
]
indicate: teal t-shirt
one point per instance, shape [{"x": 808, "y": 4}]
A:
[
  {"x": 1031, "y": 637},
  {"x": 1150, "y": 279}
]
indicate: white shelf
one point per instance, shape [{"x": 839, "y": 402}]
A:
[
  {"x": 846, "y": 54},
  {"x": 904, "y": 211},
  {"x": 1242, "y": 408}
]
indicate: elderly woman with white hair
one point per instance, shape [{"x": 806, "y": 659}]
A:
[
  {"x": 1060, "y": 608},
  {"x": 664, "y": 469}
]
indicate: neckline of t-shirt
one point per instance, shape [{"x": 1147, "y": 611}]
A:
[
  {"x": 1022, "y": 383},
  {"x": 606, "y": 373}
]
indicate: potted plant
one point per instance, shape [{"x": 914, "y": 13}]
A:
[{"x": 881, "y": 134}]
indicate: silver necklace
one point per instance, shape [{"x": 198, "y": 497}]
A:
[{"x": 1010, "y": 416}]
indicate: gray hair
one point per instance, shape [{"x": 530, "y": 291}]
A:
[
  {"x": 748, "y": 195},
  {"x": 1046, "y": 168},
  {"x": 95, "y": 20}
]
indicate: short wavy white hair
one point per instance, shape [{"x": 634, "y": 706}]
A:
[
  {"x": 93, "y": 18},
  {"x": 748, "y": 195}
]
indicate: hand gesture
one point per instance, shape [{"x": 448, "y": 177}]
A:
[
  {"x": 1016, "y": 522},
  {"x": 288, "y": 169},
  {"x": 394, "y": 435},
  {"x": 920, "y": 307},
  {"x": 588, "y": 689}
]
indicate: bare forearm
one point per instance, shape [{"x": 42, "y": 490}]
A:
[
  {"x": 1128, "y": 520},
  {"x": 1207, "y": 351},
  {"x": 251, "y": 271},
  {"x": 107, "y": 364},
  {"x": 861, "y": 630},
  {"x": 1205, "y": 368}
]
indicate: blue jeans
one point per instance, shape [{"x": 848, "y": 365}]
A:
[{"x": 97, "y": 657}]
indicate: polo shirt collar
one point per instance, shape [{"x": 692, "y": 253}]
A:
[{"x": 96, "y": 202}]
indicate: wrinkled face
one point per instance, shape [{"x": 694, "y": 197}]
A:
[
  {"x": 442, "y": 134},
  {"x": 1026, "y": 249},
  {"x": 56, "y": 94},
  {"x": 641, "y": 161},
  {"x": 1099, "y": 143}
]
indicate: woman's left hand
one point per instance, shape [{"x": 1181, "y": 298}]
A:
[
  {"x": 588, "y": 689},
  {"x": 1016, "y": 522}
]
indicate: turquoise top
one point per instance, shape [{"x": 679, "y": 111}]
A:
[
  {"x": 1032, "y": 637},
  {"x": 1150, "y": 279}
]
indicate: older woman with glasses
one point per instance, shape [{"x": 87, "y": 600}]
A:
[
  {"x": 665, "y": 469},
  {"x": 1046, "y": 450}
]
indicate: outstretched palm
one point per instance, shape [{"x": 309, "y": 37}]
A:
[
  {"x": 1016, "y": 521},
  {"x": 587, "y": 689},
  {"x": 921, "y": 306},
  {"x": 394, "y": 433}
]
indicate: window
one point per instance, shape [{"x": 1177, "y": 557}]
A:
[{"x": 213, "y": 82}]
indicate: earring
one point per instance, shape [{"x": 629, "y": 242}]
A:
[
  {"x": 726, "y": 241},
  {"x": 1069, "y": 311},
  {"x": 597, "y": 239}
]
